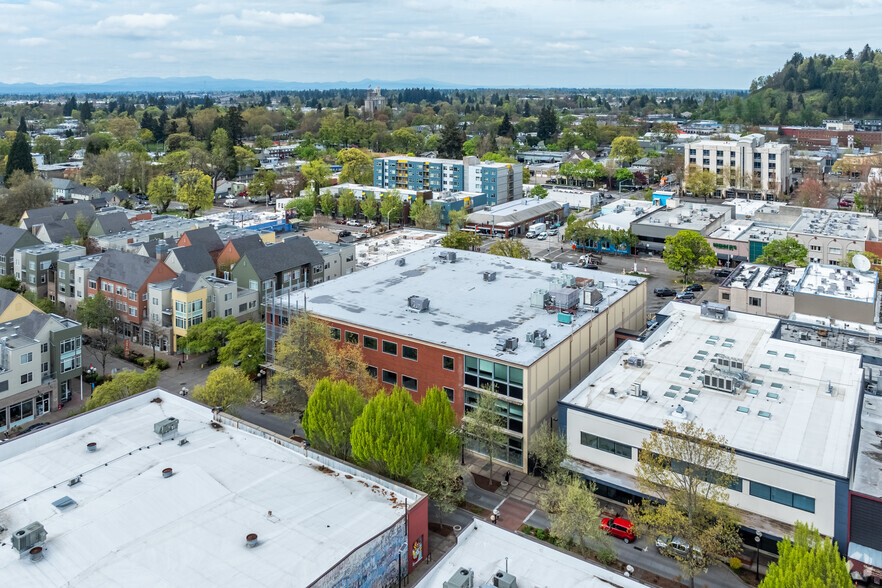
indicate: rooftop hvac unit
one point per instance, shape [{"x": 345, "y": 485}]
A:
[
  {"x": 400, "y": 261},
  {"x": 565, "y": 298},
  {"x": 166, "y": 426},
  {"x": 591, "y": 296},
  {"x": 556, "y": 265},
  {"x": 27, "y": 537},
  {"x": 462, "y": 578},
  {"x": 448, "y": 256},
  {"x": 489, "y": 276},
  {"x": 506, "y": 343},
  {"x": 713, "y": 310},
  {"x": 504, "y": 580},
  {"x": 635, "y": 361},
  {"x": 418, "y": 303},
  {"x": 537, "y": 334},
  {"x": 637, "y": 390},
  {"x": 540, "y": 298}
]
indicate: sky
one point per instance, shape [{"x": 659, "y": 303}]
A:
[{"x": 505, "y": 43}]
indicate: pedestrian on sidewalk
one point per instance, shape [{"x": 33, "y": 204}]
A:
[
  {"x": 180, "y": 365},
  {"x": 507, "y": 475}
]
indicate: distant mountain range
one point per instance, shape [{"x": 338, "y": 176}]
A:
[{"x": 209, "y": 84}]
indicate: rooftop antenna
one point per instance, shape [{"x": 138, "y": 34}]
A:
[{"x": 861, "y": 262}]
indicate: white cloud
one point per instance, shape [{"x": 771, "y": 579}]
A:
[
  {"x": 141, "y": 55},
  {"x": 480, "y": 41},
  {"x": 31, "y": 41},
  {"x": 135, "y": 24},
  {"x": 266, "y": 19},
  {"x": 193, "y": 44}
]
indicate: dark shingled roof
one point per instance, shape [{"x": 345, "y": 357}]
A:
[
  {"x": 30, "y": 325},
  {"x": 193, "y": 259},
  {"x": 9, "y": 236},
  {"x": 186, "y": 281},
  {"x": 291, "y": 253},
  {"x": 6, "y": 298},
  {"x": 125, "y": 268},
  {"x": 58, "y": 231},
  {"x": 246, "y": 243},
  {"x": 150, "y": 246},
  {"x": 114, "y": 222},
  {"x": 206, "y": 238},
  {"x": 38, "y": 216}
]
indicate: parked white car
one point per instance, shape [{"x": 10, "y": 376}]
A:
[
  {"x": 542, "y": 236},
  {"x": 353, "y": 223}
]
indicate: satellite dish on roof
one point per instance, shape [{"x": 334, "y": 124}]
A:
[{"x": 861, "y": 262}]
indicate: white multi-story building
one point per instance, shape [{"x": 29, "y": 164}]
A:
[
  {"x": 787, "y": 410},
  {"x": 748, "y": 163}
]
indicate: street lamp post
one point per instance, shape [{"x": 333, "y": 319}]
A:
[
  {"x": 757, "y": 538},
  {"x": 261, "y": 375}
]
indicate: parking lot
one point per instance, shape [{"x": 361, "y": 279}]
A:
[{"x": 660, "y": 276}]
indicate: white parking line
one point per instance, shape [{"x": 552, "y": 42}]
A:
[
  {"x": 500, "y": 504},
  {"x": 532, "y": 512}
]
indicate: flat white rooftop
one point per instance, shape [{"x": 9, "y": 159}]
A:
[
  {"x": 465, "y": 311},
  {"x": 132, "y": 527},
  {"x": 765, "y": 278},
  {"x": 868, "y": 465},
  {"x": 839, "y": 224},
  {"x": 514, "y": 212},
  {"x": 839, "y": 282},
  {"x": 746, "y": 208},
  {"x": 783, "y": 411},
  {"x": 392, "y": 245},
  {"x": 687, "y": 216},
  {"x": 619, "y": 214},
  {"x": 483, "y": 549}
]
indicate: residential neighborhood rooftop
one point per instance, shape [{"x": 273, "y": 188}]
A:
[
  {"x": 789, "y": 402},
  {"x": 466, "y": 310}
]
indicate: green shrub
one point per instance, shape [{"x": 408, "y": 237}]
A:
[
  {"x": 541, "y": 534},
  {"x": 735, "y": 564},
  {"x": 117, "y": 350},
  {"x": 162, "y": 364},
  {"x": 607, "y": 556}
]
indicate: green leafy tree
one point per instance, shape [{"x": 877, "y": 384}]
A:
[
  {"x": 49, "y": 147},
  {"x": 391, "y": 206},
  {"x": 222, "y": 160},
  {"x": 573, "y": 510},
  {"x": 358, "y": 166},
  {"x": 225, "y": 387},
  {"x": 510, "y": 248},
  {"x": 452, "y": 139},
  {"x": 783, "y": 251},
  {"x": 25, "y": 193},
  {"x": 440, "y": 421},
  {"x": 244, "y": 347},
  {"x": 346, "y": 203},
  {"x": 458, "y": 218},
  {"x": 625, "y": 149},
  {"x": 316, "y": 173},
  {"x": 19, "y": 157},
  {"x": 161, "y": 192},
  {"x": 328, "y": 203},
  {"x": 548, "y": 123},
  {"x": 505, "y": 127},
  {"x": 124, "y": 384},
  {"x": 689, "y": 469},
  {"x": 687, "y": 251},
  {"x": 539, "y": 192},
  {"x": 485, "y": 427},
  {"x": 464, "y": 240},
  {"x": 10, "y": 282},
  {"x": 194, "y": 190},
  {"x": 263, "y": 183},
  {"x": 305, "y": 207},
  {"x": 389, "y": 436},
  {"x": 425, "y": 215},
  {"x": 548, "y": 448},
  {"x": 700, "y": 182},
  {"x": 94, "y": 312},
  {"x": 808, "y": 561},
  {"x": 370, "y": 207},
  {"x": 441, "y": 478},
  {"x": 209, "y": 335},
  {"x": 330, "y": 413}
]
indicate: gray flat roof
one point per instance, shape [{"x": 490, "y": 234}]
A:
[
  {"x": 835, "y": 223},
  {"x": 686, "y": 216},
  {"x": 783, "y": 410},
  {"x": 465, "y": 312}
]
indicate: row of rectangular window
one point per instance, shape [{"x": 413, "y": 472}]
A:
[
  {"x": 389, "y": 347},
  {"x": 391, "y": 378},
  {"x": 603, "y": 444},
  {"x": 780, "y": 496}
]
